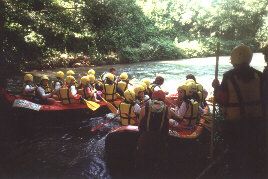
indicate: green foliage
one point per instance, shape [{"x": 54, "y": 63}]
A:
[{"x": 37, "y": 32}]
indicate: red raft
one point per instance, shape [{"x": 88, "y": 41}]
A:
[
  {"x": 22, "y": 105},
  {"x": 121, "y": 143}
]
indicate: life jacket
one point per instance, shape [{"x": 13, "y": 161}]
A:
[
  {"x": 244, "y": 99},
  {"x": 151, "y": 89},
  {"x": 83, "y": 92},
  {"x": 28, "y": 94},
  {"x": 123, "y": 85},
  {"x": 109, "y": 92},
  {"x": 57, "y": 80},
  {"x": 156, "y": 116},
  {"x": 191, "y": 114},
  {"x": 65, "y": 96},
  {"x": 127, "y": 115},
  {"x": 47, "y": 89}
]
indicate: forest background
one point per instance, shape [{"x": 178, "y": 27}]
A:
[{"x": 38, "y": 34}]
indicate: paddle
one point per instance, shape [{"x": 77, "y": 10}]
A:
[
  {"x": 109, "y": 105},
  {"x": 94, "y": 129},
  {"x": 214, "y": 103},
  {"x": 91, "y": 104}
]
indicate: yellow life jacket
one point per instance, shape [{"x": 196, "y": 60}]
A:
[
  {"x": 109, "y": 92},
  {"x": 122, "y": 85},
  {"x": 200, "y": 91},
  {"x": 65, "y": 96},
  {"x": 244, "y": 99},
  {"x": 127, "y": 115},
  {"x": 84, "y": 94},
  {"x": 47, "y": 89},
  {"x": 192, "y": 113}
]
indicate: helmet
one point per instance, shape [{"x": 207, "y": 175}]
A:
[
  {"x": 70, "y": 72},
  {"x": 138, "y": 89},
  {"x": 143, "y": 85},
  {"x": 28, "y": 77},
  {"x": 146, "y": 81},
  {"x": 91, "y": 72},
  {"x": 60, "y": 74},
  {"x": 91, "y": 78},
  {"x": 110, "y": 76},
  {"x": 182, "y": 87},
  {"x": 191, "y": 87},
  {"x": 159, "y": 95},
  {"x": 129, "y": 95},
  {"x": 84, "y": 80},
  {"x": 241, "y": 54},
  {"x": 69, "y": 79},
  {"x": 189, "y": 81},
  {"x": 44, "y": 77},
  {"x": 124, "y": 76},
  {"x": 199, "y": 87}
]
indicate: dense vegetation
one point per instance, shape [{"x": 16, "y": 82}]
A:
[{"x": 53, "y": 33}]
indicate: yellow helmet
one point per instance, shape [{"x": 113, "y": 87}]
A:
[
  {"x": 70, "y": 72},
  {"x": 60, "y": 74},
  {"x": 91, "y": 78},
  {"x": 199, "y": 87},
  {"x": 110, "y": 76},
  {"x": 137, "y": 89},
  {"x": 146, "y": 81},
  {"x": 69, "y": 79},
  {"x": 191, "y": 88},
  {"x": 143, "y": 85},
  {"x": 182, "y": 87},
  {"x": 28, "y": 77},
  {"x": 189, "y": 81},
  {"x": 91, "y": 72},
  {"x": 241, "y": 54},
  {"x": 129, "y": 95},
  {"x": 124, "y": 76},
  {"x": 84, "y": 80},
  {"x": 44, "y": 77}
]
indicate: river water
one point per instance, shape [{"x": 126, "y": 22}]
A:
[{"x": 71, "y": 150}]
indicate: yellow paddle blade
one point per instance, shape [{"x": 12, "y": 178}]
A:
[
  {"x": 110, "y": 106},
  {"x": 92, "y": 105}
]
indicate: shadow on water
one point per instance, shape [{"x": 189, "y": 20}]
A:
[{"x": 52, "y": 151}]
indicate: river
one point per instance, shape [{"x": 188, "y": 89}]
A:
[{"x": 71, "y": 151}]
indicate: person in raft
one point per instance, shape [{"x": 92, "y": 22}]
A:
[
  {"x": 129, "y": 110},
  {"x": 187, "y": 110},
  {"x": 44, "y": 94},
  {"x": 59, "y": 82},
  {"x": 156, "y": 85},
  {"x": 201, "y": 91},
  {"x": 153, "y": 129},
  {"x": 29, "y": 87},
  {"x": 239, "y": 95}
]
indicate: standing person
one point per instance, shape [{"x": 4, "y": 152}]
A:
[
  {"x": 239, "y": 95},
  {"x": 29, "y": 87},
  {"x": 153, "y": 128},
  {"x": 43, "y": 93}
]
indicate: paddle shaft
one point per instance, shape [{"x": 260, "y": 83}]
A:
[{"x": 214, "y": 103}]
